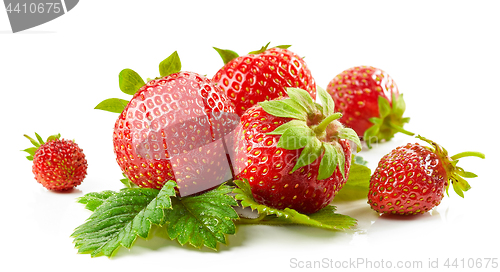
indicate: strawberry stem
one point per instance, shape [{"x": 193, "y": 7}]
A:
[
  {"x": 400, "y": 129},
  {"x": 324, "y": 124},
  {"x": 468, "y": 154}
]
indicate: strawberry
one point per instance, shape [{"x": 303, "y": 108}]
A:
[
  {"x": 58, "y": 164},
  {"x": 293, "y": 151},
  {"x": 262, "y": 75},
  {"x": 171, "y": 130},
  {"x": 370, "y": 103},
  {"x": 412, "y": 179}
]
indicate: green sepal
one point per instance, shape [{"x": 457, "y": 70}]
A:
[
  {"x": 384, "y": 107},
  {"x": 40, "y": 140},
  {"x": 280, "y": 108},
  {"x": 115, "y": 105},
  {"x": 389, "y": 122},
  {"x": 37, "y": 143},
  {"x": 302, "y": 98},
  {"x": 130, "y": 81},
  {"x": 53, "y": 137},
  {"x": 128, "y": 184},
  {"x": 358, "y": 182},
  {"x": 350, "y": 134},
  {"x": 328, "y": 162},
  {"x": 325, "y": 218},
  {"x": 309, "y": 154},
  {"x": 295, "y": 138},
  {"x": 340, "y": 158},
  {"x": 31, "y": 150},
  {"x": 226, "y": 54},
  {"x": 170, "y": 65},
  {"x": 261, "y": 50},
  {"x": 283, "y": 46},
  {"x": 293, "y": 123},
  {"x": 328, "y": 105}
]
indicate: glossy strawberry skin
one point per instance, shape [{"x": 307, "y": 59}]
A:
[
  {"x": 164, "y": 122},
  {"x": 409, "y": 180},
  {"x": 59, "y": 165},
  {"x": 253, "y": 78},
  {"x": 268, "y": 168},
  {"x": 355, "y": 92}
]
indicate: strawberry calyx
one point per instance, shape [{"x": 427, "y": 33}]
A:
[
  {"x": 389, "y": 122},
  {"x": 455, "y": 175},
  {"x": 314, "y": 128},
  {"x": 228, "y": 55},
  {"x": 37, "y": 143}
]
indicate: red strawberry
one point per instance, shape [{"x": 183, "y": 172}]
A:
[
  {"x": 58, "y": 164},
  {"x": 370, "y": 103},
  {"x": 171, "y": 130},
  {"x": 412, "y": 179},
  {"x": 262, "y": 75},
  {"x": 293, "y": 152}
]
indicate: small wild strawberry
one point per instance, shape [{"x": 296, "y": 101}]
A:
[
  {"x": 412, "y": 179},
  {"x": 370, "y": 103},
  {"x": 293, "y": 151},
  {"x": 58, "y": 164}
]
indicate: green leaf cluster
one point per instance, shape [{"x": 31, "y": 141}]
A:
[
  {"x": 37, "y": 143},
  {"x": 120, "y": 217},
  {"x": 130, "y": 82},
  {"x": 228, "y": 55},
  {"x": 296, "y": 134},
  {"x": 389, "y": 122}
]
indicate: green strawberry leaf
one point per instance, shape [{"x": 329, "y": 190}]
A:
[
  {"x": 399, "y": 105},
  {"x": 328, "y": 162},
  {"x": 309, "y": 154},
  {"x": 130, "y": 81},
  {"x": 357, "y": 185},
  {"x": 326, "y": 218},
  {"x": 302, "y": 98},
  {"x": 340, "y": 158},
  {"x": 93, "y": 200},
  {"x": 281, "y": 108},
  {"x": 283, "y": 46},
  {"x": 326, "y": 101},
  {"x": 383, "y": 106},
  {"x": 170, "y": 65},
  {"x": 54, "y": 137},
  {"x": 203, "y": 219},
  {"x": 295, "y": 138},
  {"x": 281, "y": 129},
  {"x": 121, "y": 218},
  {"x": 115, "y": 105},
  {"x": 350, "y": 134},
  {"x": 31, "y": 150},
  {"x": 40, "y": 140},
  {"x": 261, "y": 50},
  {"x": 226, "y": 55}
]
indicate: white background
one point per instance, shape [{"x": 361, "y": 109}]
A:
[{"x": 444, "y": 57}]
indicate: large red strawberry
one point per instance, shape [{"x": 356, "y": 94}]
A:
[
  {"x": 294, "y": 152},
  {"x": 171, "y": 130},
  {"x": 262, "y": 75},
  {"x": 412, "y": 179},
  {"x": 58, "y": 164},
  {"x": 370, "y": 103}
]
